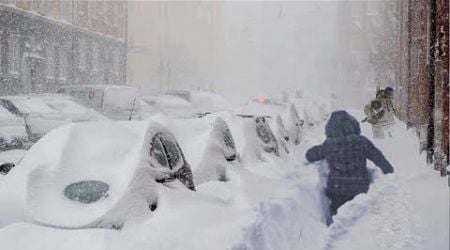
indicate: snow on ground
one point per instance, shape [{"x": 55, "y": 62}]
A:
[{"x": 279, "y": 204}]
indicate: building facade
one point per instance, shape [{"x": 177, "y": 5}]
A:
[
  {"x": 48, "y": 44},
  {"x": 423, "y": 85},
  {"x": 403, "y": 44}
]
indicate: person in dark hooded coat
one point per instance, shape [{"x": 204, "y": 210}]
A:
[{"x": 346, "y": 152}]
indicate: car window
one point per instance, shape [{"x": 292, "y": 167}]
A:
[
  {"x": 294, "y": 113},
  {"x": 158, "y": 152},
  {"x": 228, "y": 138},
  {"x": 7, "y": 104},
  {"x": 224, "y": 131},
  {"x": 186, "y": 95},
  {"x": 86, "y": 191},
  {"x": 172, "y": 151},
  {"x": 262, "y": 130}
]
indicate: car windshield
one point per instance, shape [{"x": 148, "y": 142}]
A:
[
  {"x": 172, "y": 152},
  {"x": 32, "y": 105},
  {"x": 262, "y": 130},
  {"x": 158, "y": 152},
  {"x": 228, "y": 138},
  {"x": 6, "y": 114}
]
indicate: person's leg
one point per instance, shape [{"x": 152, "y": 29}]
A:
[
  {"x": 337, "y": 201},
  {"x": 389, "y": 130},
  {"x": 378, "y": 132}
]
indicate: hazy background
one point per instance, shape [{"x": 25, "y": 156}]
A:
[{"x": 240, "y": 49}]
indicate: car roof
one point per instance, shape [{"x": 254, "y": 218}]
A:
[
  {"x": 98, "y": 86},
  {"x": 49, "y": 104}
]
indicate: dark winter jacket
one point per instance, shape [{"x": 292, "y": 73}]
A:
[{"x": 346, "y": 152}]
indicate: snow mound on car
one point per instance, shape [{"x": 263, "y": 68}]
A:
[
  {"x": 114, "y": 153},
  {"x": 200, "y": 143}
]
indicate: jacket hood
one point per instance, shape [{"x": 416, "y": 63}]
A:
[{"x": 342, "y": 124}]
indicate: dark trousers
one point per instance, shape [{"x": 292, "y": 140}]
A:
[
  {"x": 338, "y": 200},
  {"x": 335, "y": 202}
]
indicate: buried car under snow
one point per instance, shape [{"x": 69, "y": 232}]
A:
[
  {"x": 117, "y": 102},
  {"x": 42, "y": 113},
  {"x": 183, "y": 104},
  {"x": 98, "y": 174},
  {"x": 283, "y": 119},
  {"x": 208, "y": 145}
]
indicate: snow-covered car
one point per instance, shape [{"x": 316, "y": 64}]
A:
[
  {"x": 267, "y": 138},
  {"x": 186, "y": 103},
  {"x": 170, "y": 105},
  {"x": 289, "y": 116},
  {"x": 118, "y": 102},
  {"x": 255, "y": 109},
  {"x": 42, "y": 113},
  {"x": 207, "y": 143},
  {"x": 253, "y": 136},
  {"x": 12, "y": 130},
  {"x": 281, "y": 133},
  {"x": 294, "y": 124},
  {"x": 313, "y": 109},
  {"x": 202, "y": 102},
  {"x": 66, "y": 181}
]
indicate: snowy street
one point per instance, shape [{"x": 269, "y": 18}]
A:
[
  {"x": 277, "y": 204},
  {"x": 224, "y": 125}
]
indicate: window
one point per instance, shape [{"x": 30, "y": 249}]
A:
[
  {"x": 165, "y": 150},
  {"x": 63, "y": 11},
  {"x": 1, "y": 35},
  {"x": 62, "y": 65},
  {"x": 90, "y": 14},
  {"x": 81, "y": 54},
  {"x": 104, "y": 10},
  {"x": 106, "y": 59},
  {"x": 51, "y": 62},
  {"x": 95, "y": 57},
  {"x": 157, "y": 151},
  {"x": 34, "y": 5},
  {"x": 172, "y": 152},
  {"x": 262, "y": 130},
  {"x": 228, "y": 138},
  {"x": 14, "y": 54},
  {"x": 116, "y": 62},
  {"x": 115, "y": 6},
  {"x": 225, "y": 132},
  {"x": 266, "y": 135}
]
